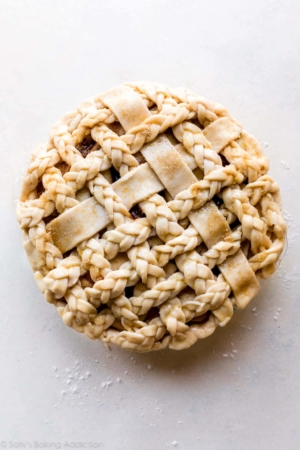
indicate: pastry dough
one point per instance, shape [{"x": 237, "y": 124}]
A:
[
  {"x": 137, "y": 185},
  {"x": 168, "y": 165},
  {"x": 77, "y": 224},
  {"x": 149, "y": 216}
]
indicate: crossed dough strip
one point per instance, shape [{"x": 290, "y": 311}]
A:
[{"x": 58, "y": 276}]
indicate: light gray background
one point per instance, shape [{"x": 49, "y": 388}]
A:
[{"x": 55, "y": 384}]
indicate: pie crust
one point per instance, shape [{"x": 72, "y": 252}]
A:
[{"x": 149, "y": 216}]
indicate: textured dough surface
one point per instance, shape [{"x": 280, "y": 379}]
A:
[{"x": 149, "y": 216}]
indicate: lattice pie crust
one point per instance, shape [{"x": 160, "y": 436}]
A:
[{"x": 149, "y": 216}]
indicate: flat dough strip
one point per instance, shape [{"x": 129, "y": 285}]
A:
[
  {"x": 137, "y": 185},
  {"x": 212, "y": 227},
  {"x": 237, "y": 271},
  {"x": 169, "y": 166},
  {"x": 32, "y": 253},
  {"x": 77, "y": 224},
  {"x": 210, "y": 224},
  {"x": 126, "y": 105},
  {"x": 221, "y": 132}
]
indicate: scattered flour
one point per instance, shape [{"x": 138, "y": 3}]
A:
[{"x": 284, "y": 165}]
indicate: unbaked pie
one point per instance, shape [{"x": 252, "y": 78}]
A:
[{"x": 149, "y": 217}]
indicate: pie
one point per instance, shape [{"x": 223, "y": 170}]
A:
[{"x": 149, "y": 217}]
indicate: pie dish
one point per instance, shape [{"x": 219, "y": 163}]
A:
[{"x": 149, "y": 217}]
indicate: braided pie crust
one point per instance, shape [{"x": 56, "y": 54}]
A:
[{"x": 149, "y": 216}]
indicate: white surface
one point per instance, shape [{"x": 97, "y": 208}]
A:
[{"x": 245, "y": 55}]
